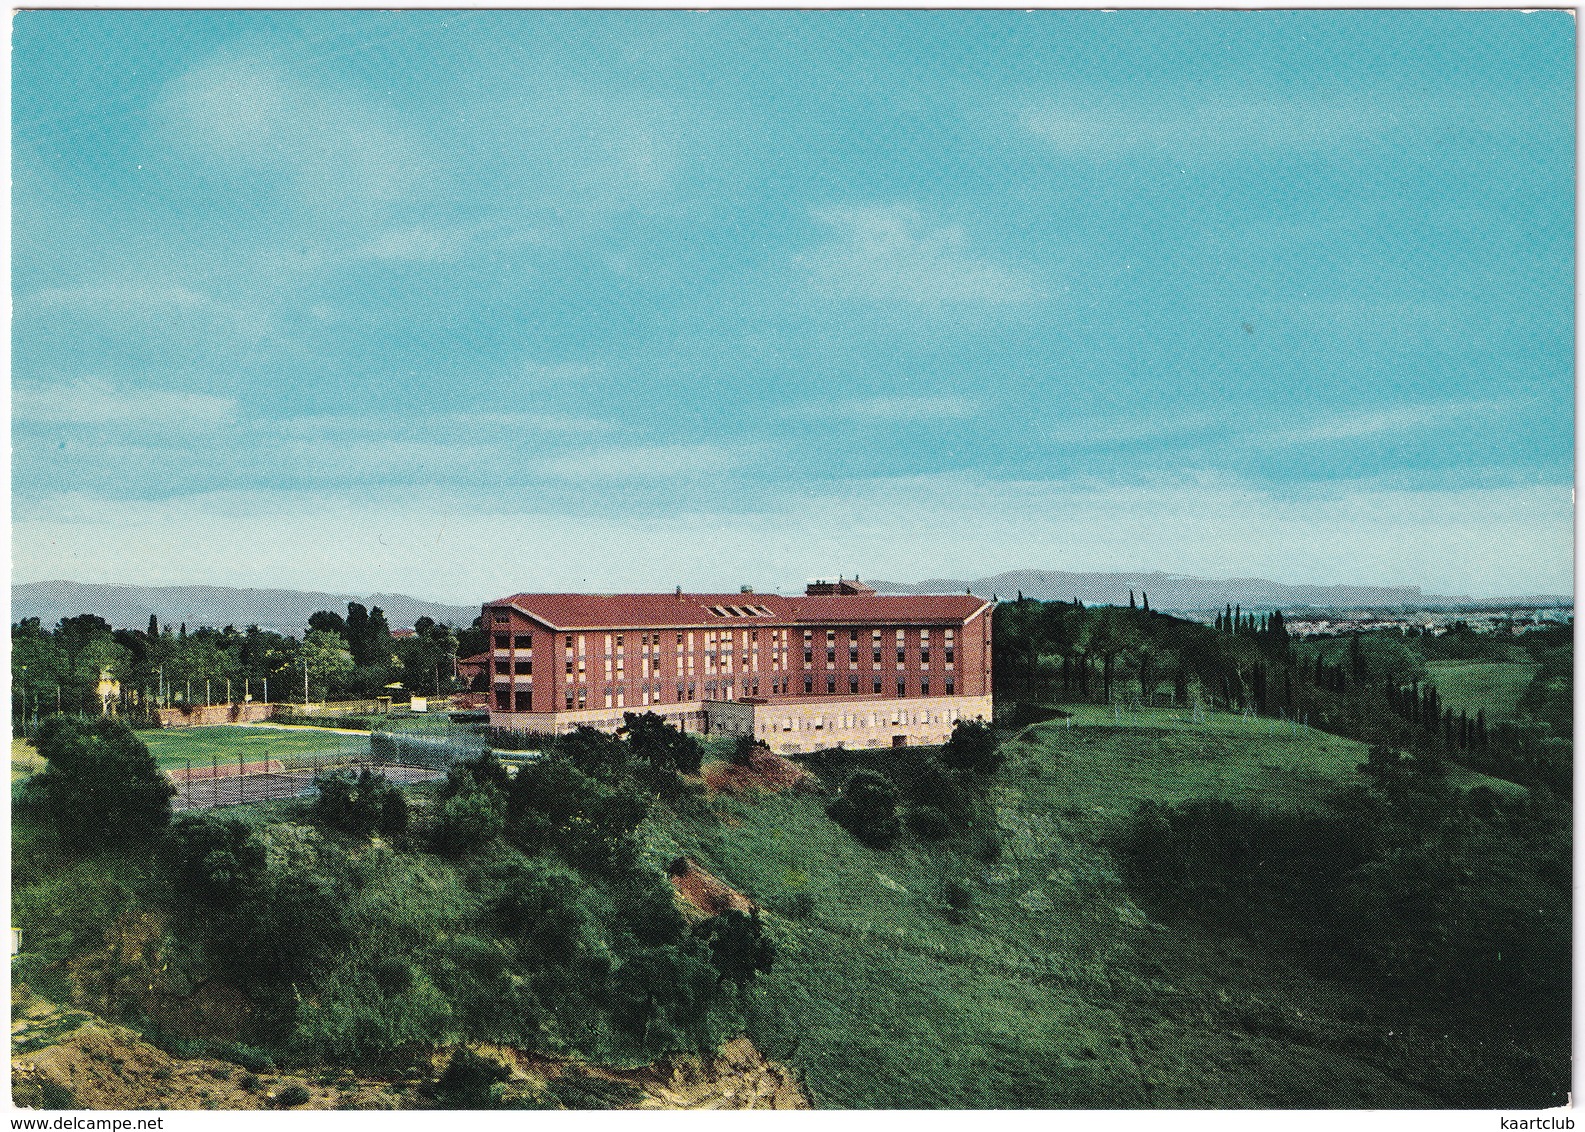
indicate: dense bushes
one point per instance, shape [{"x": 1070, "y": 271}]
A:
[
  {"x": 937, "y": 798},
  {"x": 1424, "y": 885},
  {"x": 538, "y": 922},
  {"x": 100, "y": 785},
  {"x": 867, "y": 808},
  {"x": 361, "y": 805},
  {"x": 972, "y": 749}
]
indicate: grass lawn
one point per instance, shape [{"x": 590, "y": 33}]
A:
[
  {"x": 227, "y": 743},
  {"x": 1471, "y": 686},
  {"x": 1105, "y": 767},
  {"x": 24, "y": 759},
  {"x": 1055, "y": 990}
]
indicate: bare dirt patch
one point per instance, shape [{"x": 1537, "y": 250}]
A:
[
  {"x": 764, "y": 771},
  {"x": 65, "y": 1058},
  {"x": 704, "y": 892}
]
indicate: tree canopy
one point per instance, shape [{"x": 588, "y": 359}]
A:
[{"x": 100, "y": 785}]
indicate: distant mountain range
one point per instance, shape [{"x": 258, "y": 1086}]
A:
[
  {"x": 1181, "y": 593},
  {"x": 284, "y": 611},
  {"x": 287, "y": 611}
]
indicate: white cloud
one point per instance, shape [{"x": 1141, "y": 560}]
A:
[
  {"x": 541, "y": 373},
  {"x": 93, "y": 402},
  {"x": 641, "y": 462},
  {"x": 417, "y": 244},
  {"x": 163, "y": 306},
  {"x": 1364, "y": 424},
  {"x": 904, "y": 407},
  {"x": 891, "y": 253},
  {"x": 245, "y": 114},
  {"x": 1079, "y": 124}
]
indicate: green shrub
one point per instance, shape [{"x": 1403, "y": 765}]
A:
[
  {"x": 929, "y": 822},
  {"x": 292, "y": 1096},
  {"x": 972, "y": 749},
  {"x": 867, "y": 808},
  {"x": 799, "y": 905},
  {"x": 100, "y": 784},
  {"x": 361, "y": 805},
  {"x": 469, "y": 1080},
  {"x": 469, "y": 820}
]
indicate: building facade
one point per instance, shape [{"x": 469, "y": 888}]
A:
[{"x": 839, "y": 666}]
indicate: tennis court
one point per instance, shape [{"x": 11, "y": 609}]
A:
[{"x": 272, "y": 781}]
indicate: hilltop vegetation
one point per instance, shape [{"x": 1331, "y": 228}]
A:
[
  {"x": 1157, "y": 914},
  {"x": 370, "y": 926},
  {"x": 1106, "y": 904}
]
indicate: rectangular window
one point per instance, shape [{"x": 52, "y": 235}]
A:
[
  {"x": 877, "y": 657},
  {"x": 503, "y": 699},
  {"x": 569, "y": 668},
  {"x": 831, "y": 656},
  {"x": 525, "y": 668},
  {"x": 877, "y": 685},
  {"x": 500, "y": 617},
  {"x": 583, "y": 698},
  {"x": 902, "y": 687},
  {"x": 924, "y": 687},
  {"x": 949, "y": 654},
  {"x": 503, "y": 668},
  {"x": 523, "y": 643},
  {"x": 569, "y": 640},
  {"x": 500, "y": 640},
  {"x": 949, "y": 685},
  {"x": 924, "y": 655},
  {"x": 569, "y": 699},
  {"x": 831, "y": 685},
  {"x": 853, "y": 685},
  {"x": 525, "y": 701},
  {"x": 900, "y": 654},
  {"x": 809, "y": 656},
  {"x": 809, "y": 685}
]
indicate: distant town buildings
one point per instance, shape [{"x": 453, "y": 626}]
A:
[{"x": 838, "y": 666}]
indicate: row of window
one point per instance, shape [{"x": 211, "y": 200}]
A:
[
  {"x": 521, "y": 699},
  {"x": 858, "y": 721},
  {"x": 523, "y": 642}
]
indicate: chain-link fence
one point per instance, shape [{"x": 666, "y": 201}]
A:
[{"x": 403, "y": 757}]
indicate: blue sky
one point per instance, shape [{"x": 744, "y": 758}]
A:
[{"x": 462, "y": 304}]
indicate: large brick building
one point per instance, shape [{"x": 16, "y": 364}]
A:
[{"x": 839, "y": 666}]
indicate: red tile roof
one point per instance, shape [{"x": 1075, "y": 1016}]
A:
[{"x": 663, "y": 610}]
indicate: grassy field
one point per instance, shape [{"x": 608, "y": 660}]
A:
[
  {"x": 1471, "y": 686},
  {"x": 24, "y": 759},
  {"x": 1055, "y": 990},
  {"x": 227, "y": 744},
  {"x": 1107, "y": 762}
]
